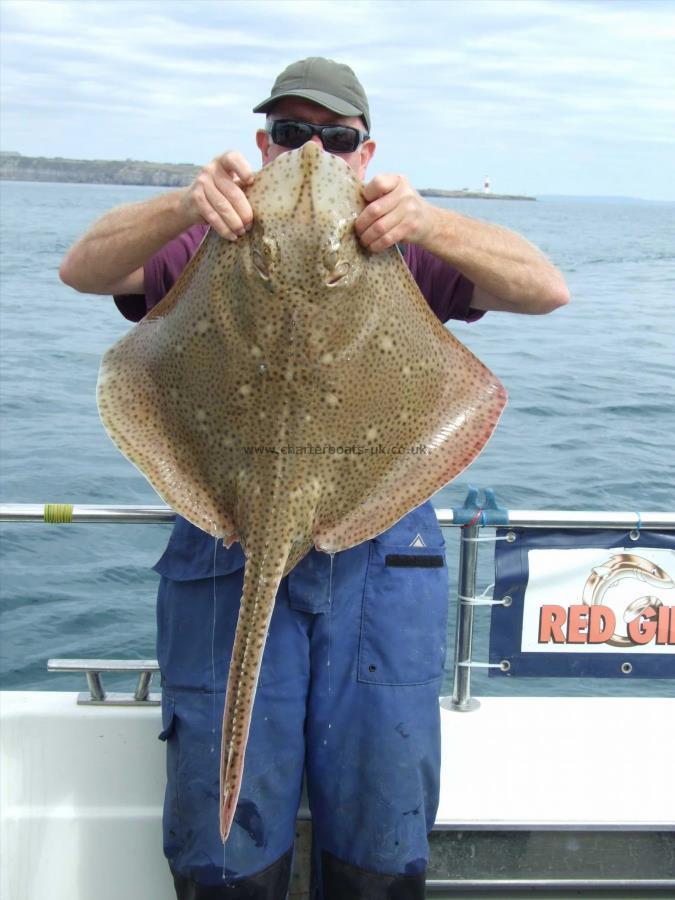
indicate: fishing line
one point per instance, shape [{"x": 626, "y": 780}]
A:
[
  {"x": 330, "y": 620},
  {"x": 213, "y": 691},
  {"x": 213, "y": 652}
]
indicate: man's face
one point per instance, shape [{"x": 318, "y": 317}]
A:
[{"x": 306, "y": 111}]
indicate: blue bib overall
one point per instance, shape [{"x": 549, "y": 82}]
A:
[{"x": 348, "y": 692}]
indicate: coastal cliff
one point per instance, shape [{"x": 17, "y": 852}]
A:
[
  {"x": 472, "y": 195},
  {"x": 15, "y": 167}
]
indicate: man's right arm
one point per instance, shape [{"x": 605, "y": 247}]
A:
[{"x": 109, "y": 258}]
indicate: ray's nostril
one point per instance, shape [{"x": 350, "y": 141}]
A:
[
  {"x": 338, "y": 274},
  {"x": 260, "y": 265}
]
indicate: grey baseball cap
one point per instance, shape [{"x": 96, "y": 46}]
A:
[{"x": 322, "y": 81}]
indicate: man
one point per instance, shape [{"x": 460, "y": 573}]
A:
[{"x": 350, "y": 679}]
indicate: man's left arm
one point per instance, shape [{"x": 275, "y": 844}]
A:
[{"x": 508, "y": 272}]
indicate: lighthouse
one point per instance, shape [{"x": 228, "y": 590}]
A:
[{"x": 486, "y": 184}]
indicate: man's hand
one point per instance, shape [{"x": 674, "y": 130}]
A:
[
  {"x": 395, "y": 212},
  {"x": 109, "y": 258},
  {"x": 507, "y": 271},
  {"x": 216, "y": 196}
]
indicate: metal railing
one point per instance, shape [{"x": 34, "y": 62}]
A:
[
  {"x": 518, "y": 518},
  {"x": 470, "y": 518},
  {"x": 97, "y": 696}
]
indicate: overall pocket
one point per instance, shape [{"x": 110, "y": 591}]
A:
[
  {"x": 168, "y": 714},
  {"x": 405, "y": 604},
  {"x": 171, "y": 818},
  {"x": 192, "y": 554}
]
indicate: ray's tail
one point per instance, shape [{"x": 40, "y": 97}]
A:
[{"x": 261, "y": 582}]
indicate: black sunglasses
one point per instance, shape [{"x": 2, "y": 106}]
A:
[{"x": 335, "y": 138}]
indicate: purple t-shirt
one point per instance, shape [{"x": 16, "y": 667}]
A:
[
  {"x": 445, "y": 289},
  {"x": 447, "y": 292}
]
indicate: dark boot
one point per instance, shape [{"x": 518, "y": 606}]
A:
[
  {"x": 341, "y": 881},
  {"x": 270, "y": 884}
]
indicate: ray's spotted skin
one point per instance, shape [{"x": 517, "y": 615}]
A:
[{"x": 293, "y": 337}]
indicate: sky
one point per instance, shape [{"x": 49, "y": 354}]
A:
[{"x": 541, "y": 96}]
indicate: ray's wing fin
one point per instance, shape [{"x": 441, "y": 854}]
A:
[
  {"x": 435, "y": 404},
  {"x": 150, "y": 397}
]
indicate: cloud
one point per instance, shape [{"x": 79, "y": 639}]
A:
[{"x": 461, "y": 85}]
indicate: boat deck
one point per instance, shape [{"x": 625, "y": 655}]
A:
[{"x": 566, "y": 797}]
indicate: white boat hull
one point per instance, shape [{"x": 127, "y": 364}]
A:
[{"x": 82, "y": 786}]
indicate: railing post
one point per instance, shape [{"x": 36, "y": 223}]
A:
[
  {"x": 468, "y": 560},
  {"x": 97, "y": 695},
  {"x": 95, "y": 686},
  {"x": 142, "y": 691}
]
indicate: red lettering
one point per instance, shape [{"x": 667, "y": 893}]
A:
[
  {"x": 551, "y": 621},
  {"x": 583, "y": 624},
  {"x": 642, "y": 628},
  {"x": 601, "y": 624},
  {"x": 577, "y": 624},
  {"x": 666, "y": 615}
]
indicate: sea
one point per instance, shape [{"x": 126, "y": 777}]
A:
[{"x": 590, "y": 423}]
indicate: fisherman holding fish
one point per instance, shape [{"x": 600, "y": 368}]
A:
[{"x": 351, "y": 672}]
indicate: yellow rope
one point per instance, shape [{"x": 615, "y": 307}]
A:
[{"x": 58, "y": 513}]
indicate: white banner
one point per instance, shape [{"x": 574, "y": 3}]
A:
[{"x": 596, "y": 600}]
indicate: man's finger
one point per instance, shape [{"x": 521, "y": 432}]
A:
[
  {"x": 374, "y": 211},
  {"x": 224, "y": 208},
  {"x": 235, "y": 164},
  {"x": 380, "y": 185},
  {"x": 211, "y": 217},
  {"x": 382, "y": 233},
  {"x": 236, "y": 197}
]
